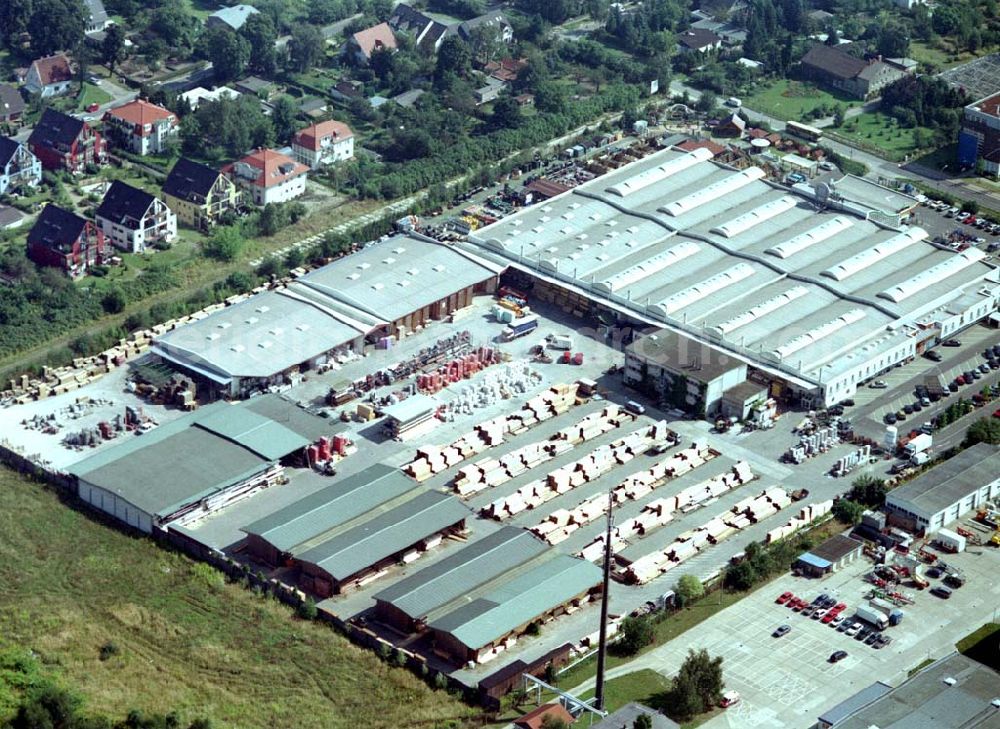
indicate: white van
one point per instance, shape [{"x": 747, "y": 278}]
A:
[
  {"x": 560, "y": 341},
  {"x": 734, "y": 102}
]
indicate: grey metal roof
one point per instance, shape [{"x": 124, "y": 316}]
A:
[
  {"x": 485, "y": 619},
  {"x": 463, "y": 571},
  {"x": 948, "y": 482},
  {"x": 166, "y": 474},
  {"x": 855, "y": 703},
  {"x": 258, "y": 337},
  {"x": 292, "y": 416},
  {"x": 626, "y": 716},
  {"x": 328, "y": 508},
  {"x": 676, "y": 352},
  {"x": 413, "y": 407},
  {"x": 348, "y": 552},
  {"x": 927, "y": 702},
  {"x": 836, "y": 548},
  {"x": 396, "y": 277},
  {"x": 253, "y": 431}
]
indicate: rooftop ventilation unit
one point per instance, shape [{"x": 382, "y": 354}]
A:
[
  {"x": 388, "y": 261},
  {"x": 223, "y": 325},
  {"x": 237, "y": 348},
  {"x": 252, "y": 320}
]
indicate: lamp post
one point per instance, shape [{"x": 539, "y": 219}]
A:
[{"x": 603, "y": 634}]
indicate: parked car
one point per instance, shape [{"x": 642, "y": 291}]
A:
[
  {"x": 890, "y": 418},
  {"x": 951, "y": 343},
  {"x": 839, "y": 608},
  {"x": 819, "y": 614},
  {"x": 943, "y": 592},
  {"x": 872, "y": 637},
  {"x": 835, "y": 621},
  {"x": 853, "y": 629},
  {"x": 837, "y": 656},
  {"x": 878, "y": 385},
  {"x": 781, "y": 630},
  {"x": 784, "y": 597},
  {"x": 933, "y": 356},
  {"x": 829, "y": 617},
  {"x": 844, "y": 626}
]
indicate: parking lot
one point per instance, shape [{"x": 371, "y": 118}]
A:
[
  {"x": 948, "y": 228},
  {"x": 789, "y": 681}
]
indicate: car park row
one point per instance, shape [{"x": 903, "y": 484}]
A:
[{"x": 828, "y": 610}]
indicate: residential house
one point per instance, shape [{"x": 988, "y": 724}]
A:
[
  {"x": 232, "y": 18},
  {"x": 96, "y": 17},
  {"x": 64, "y": 240},
  {"x": 269, "y": 176},
  {"x": 18, "y": 166},
  {"x": 63, "y": 142},
  {"x": 408, "y": 98},
  {"x": 732, "y": 126},
  {"x": 506, "y": 69},
  {"x": 141, "y": 127},
  {"x": 543, "y": 715},
  {"x": 312, "y": 107},
  {"x": 198, "y": 194},
  {"x": 347, "y": 90},
  {"x": 365, "y": 42},
  {"x": 11, "y": 105},
  {"x": 11, "y": 218},
  {"x": 698, "y": 40},
  {"x": 525, "y": 99},
  {"x": 730, "y": 34},
  {"x": 494, "y": 20},
  {"x": 133, "y": 220},
  {"x": 323, "y": 143},
  {"x": 833, "y": 66},
  {"x": 49, "y": 76},
  {"x": 254, "y": 86},
  {"x": 490, "y": 92},
  {"x": 427, "y": 33},
  {"x": 198, "y": 94}
]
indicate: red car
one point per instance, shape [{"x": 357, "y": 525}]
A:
[
  {"x": 784, "y": 597},
  {"x": 970, "y": 220},
  {"x": 798, "y": 606},
  {"x": 830, "y": 615},
  {"x": 93, "y": 107},
  {"x": 996, "y": 414},
  {"x": 838, "y": 608}
]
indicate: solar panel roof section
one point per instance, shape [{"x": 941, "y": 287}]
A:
[
  {"x": 465, "y": 570},
  {"x": 328, "y": 508},
  {"x": 351, "y": 551}
]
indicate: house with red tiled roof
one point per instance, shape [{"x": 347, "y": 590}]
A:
[
  {"x": 140, "y": 127},
  {"x": 268, "y": 176},
  {"x": 49, "y": 76},
  {"x": 365, "y": 42},
  {"x": 689, "y": 145},
  {"x": 323, "y": 143},
  {"x": 506, "y": 69},
  {"x": 535, "y": 718}
]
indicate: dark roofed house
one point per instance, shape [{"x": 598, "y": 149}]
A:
[
  {"x": 829, "y": 556},
  {"x": 11, "y": 104},
  {"x": 494, "y": 20},
  {"x": 366, "y": 42},
  {"x": 199, "y": 194},
  {"x": 732, "y": 126},
  {"x": 134, "y": 220},
  {"x": 627, "y": 715},
  {"x": 698, "y": 40},
  {"x": 64, "y": 240},
  {"x": 63, "y": 142},
  {"x": 835, "y": 67},
  {"x": 96, "y": 16},
  {"x": 427, "y": 33},
  {"x": 255, "y": 86}
]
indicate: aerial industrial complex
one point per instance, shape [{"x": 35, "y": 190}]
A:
[
  {"x": 816, "y": 289},
  {"x": 454, "y": 509}
]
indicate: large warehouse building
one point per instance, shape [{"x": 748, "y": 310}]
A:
[
  {"x": 816, "y": 289},
  {"x": 389, "y": 288},
  {"x": 201, "y": 463},
  {"x": 346, "y": 534},
  {"x": 948, "y": 491}
]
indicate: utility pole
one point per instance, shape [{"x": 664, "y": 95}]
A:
[{"x": 603, "y": 635}]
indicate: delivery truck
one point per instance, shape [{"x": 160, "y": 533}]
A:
[
  {"x": 918, "y": 444},
  {"x": 520, "y": 327},
  {"x": 872, "y": 616}
]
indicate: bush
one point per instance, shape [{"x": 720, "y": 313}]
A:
[
  {"x": 689, "y": 588},
  {"x": 635, "y": 633},
  {"x": 307, "y": 610},
  {"x": 109, "y": 650},
  {"x": 225, "y": 244}
]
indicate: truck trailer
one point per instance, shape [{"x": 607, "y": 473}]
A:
[
  {"x": 918, "y": 444},
  {"x": 872, "y": 616},
  {"x": 520, "y": 327},
  {"x": 949, "y": 541}
]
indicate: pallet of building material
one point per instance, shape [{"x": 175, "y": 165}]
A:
[
  {"x": 822, "y": 508},
  {"x": 740, "y": 521}
]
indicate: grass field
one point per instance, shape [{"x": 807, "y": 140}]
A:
[
  {"x": 645, "y": 686},
  {"x": 882, "y": 132},
  {"x": 92, "y": 94},
  {"x": 792, "y": 100},
  {"x": 187, "y": 641}
]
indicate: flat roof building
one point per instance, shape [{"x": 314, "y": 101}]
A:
[
  {"x": 854, "y": 704},
  {"x": 948, "y": 491},
  {"x": 201, "y": 462},
  {"x": 829, "y": 556},
  {"x": 806, "y": 285},
  {"x": 386, "y": 289},
  {"x": 955, "y": 692}
]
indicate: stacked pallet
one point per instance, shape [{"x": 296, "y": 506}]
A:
[
  {"x": 489, "y": 434},
  {"x": 583, "y": 470},
  {"x": 686, "y": 545},
  {"x": 806, "y": 515}
]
